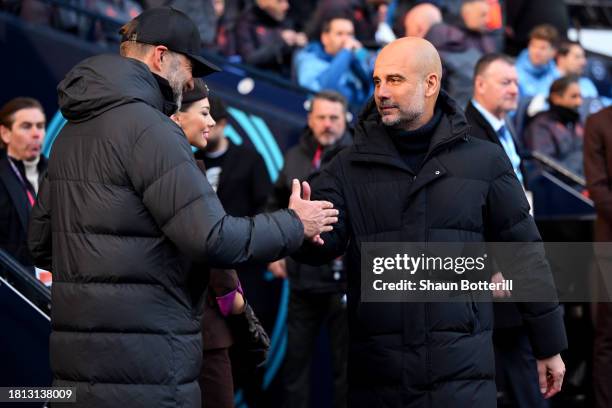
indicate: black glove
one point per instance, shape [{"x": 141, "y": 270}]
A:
[{"x": 251, "y": 342}]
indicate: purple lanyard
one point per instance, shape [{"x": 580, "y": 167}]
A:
[{"x": 31, "y": 198}]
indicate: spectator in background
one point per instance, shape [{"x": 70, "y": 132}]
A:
[
  {"x": 229, "y": 165},
  {"x": 571, "y": 60},
  {"x": 458, "y": 55},
  {"x": 558, "y": 132},
  {"x": 203, "y": 15},
  {"x": 475, "y": 19},
  {"x": 535, "y": 65},
  {"x": 316, "y": 292},
  {"x": 495, "y": 96},
  {"x": 337, "y": 61},
  {"x": 225, "y": 41},
  {"x": 120, "y": 10},
  {"x": 22, "y": 130},
  {"x": 598, "y": 172},
  {"x": 301, "y": 12},
  {"x": 420, "y": 19},
  {"x": 265, "y": 38},
  {"x": 384, "y": 33},
  {"x": 522, "y": 16}
]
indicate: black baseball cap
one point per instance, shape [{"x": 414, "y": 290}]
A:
[{"x": 171, "y": 28}]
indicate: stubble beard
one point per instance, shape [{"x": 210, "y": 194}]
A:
[{"x": 176, "y": 80}]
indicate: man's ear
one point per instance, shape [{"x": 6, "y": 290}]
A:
[
  {"x": 554, "y": 98},
  {"x": 478, "y": 82},
  {"x": 432, "y": 84},
  {"x": 176, "y": 117},
  {"x": 157, "y": 57},
  {"x": 5, "y": 134}
]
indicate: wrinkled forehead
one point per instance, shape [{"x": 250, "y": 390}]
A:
[
  {"x": 403, "y": 66},
  {"x": 388, "y": 63}
]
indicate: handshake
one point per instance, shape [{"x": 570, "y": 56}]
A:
[{"x": 316, "y": 216}]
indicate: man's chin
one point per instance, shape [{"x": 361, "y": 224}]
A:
[{"x": 390, "y": 120}]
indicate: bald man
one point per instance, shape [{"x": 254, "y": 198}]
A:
[
  {"x": 420, "y": 19},
  {"x": 458, "y": 52},
  {"x": 414, "y": 174}
]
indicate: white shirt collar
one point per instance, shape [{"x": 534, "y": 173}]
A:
[{"x": 495, "y": 123}]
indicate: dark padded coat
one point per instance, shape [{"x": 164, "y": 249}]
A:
[
  {"x": 123, "y": 212},
  {"x": 430, "y": 355}
]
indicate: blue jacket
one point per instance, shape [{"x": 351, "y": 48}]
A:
[
  {"x": 345, "y": 72},
  {"x": 534, "y": 80}
]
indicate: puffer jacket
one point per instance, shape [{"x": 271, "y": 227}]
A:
[
  {"x": 429, "y": 355},
  {"x": 122, "y": 214}
]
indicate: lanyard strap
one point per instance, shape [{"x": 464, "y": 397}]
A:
[
  {"x": 29, "y": 194},
  {"x": 316, "y": 160}
]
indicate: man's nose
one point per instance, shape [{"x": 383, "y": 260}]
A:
[
  {"x": 38, "y": 133},
  {"x": 513, "y": 88},
  {"x": 381, "y": 92}
]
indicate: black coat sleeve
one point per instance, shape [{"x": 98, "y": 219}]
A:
[
  {"x": 327, "y": 186},
  {"x": 39, "y": 231},
  {"x": 185, "y": 207},
  {"x": 508, "y": 220}
]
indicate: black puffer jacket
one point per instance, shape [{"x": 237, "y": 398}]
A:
[
  {"x": 428, "y": 354},
  {"x": 123, "y": 211}
]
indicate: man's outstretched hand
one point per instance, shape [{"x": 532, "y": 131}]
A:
[{"x": 316, "y": 216}]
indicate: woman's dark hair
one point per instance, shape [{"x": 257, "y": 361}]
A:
[{"x": 199, "y": 92}]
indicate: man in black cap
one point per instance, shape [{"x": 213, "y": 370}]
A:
[{"x": 124, "y": 210}]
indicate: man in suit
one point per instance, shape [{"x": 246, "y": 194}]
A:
[
  {"x": 495, "y": 95},
  {"x": 598, "y": 172},
  {"x": 22, "y": 130}
]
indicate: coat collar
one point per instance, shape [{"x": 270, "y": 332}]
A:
[
  {"x": 373, "y": 144},
  {"x": 15, "y": 190},
  {"x": 475, "y": 116}
]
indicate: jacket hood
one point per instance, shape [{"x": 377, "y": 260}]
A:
[{"x": 104, "y": 82}]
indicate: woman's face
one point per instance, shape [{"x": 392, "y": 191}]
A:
[{"x": 197, "y": 123}]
